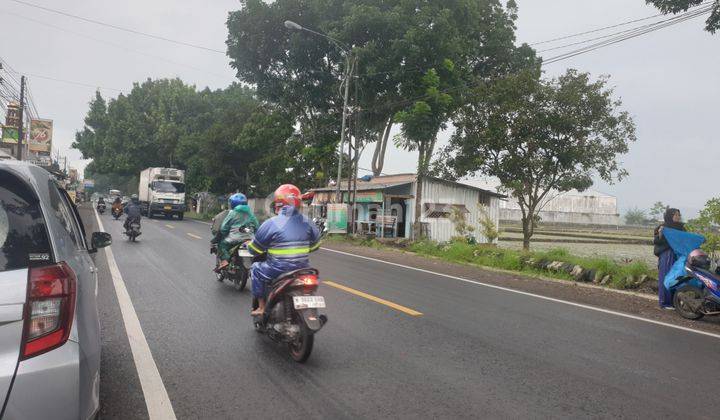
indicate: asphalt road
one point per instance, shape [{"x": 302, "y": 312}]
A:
[{"x": 474, "y": 352}]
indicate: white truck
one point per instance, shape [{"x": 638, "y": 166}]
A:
[{"x": 162, "y": 191}]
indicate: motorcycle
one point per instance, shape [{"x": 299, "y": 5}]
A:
[
  {"x": 697, "y": 293},
  {"x": 133, "y": 231},
  {"x": 291, "y": 311},
  {"x": 116, "y": 213},
  {"x": 238, "y": 271},
  {"x": 101, "y": 208}
]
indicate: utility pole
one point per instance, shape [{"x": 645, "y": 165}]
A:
[{"x": 20, "y": 124}]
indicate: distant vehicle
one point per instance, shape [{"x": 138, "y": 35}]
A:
[
  {"x": 49, "y": 325},
  {"x": 162, "y": 191},
  {"x": 114, "y": 193}
]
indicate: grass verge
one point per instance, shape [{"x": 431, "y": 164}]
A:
[{"x": 619, "y": 275}]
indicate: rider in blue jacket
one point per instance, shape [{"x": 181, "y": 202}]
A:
[{"x": 287, "y": 239}]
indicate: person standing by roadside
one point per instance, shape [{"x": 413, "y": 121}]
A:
[{"x": 665, "y": 254}]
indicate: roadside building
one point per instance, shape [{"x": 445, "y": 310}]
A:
[
  {"x": 591, "y": 208},
  {"x": 386, "y": 206}
]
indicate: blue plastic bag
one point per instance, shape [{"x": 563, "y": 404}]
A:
[{"x": 682, "y": 243}]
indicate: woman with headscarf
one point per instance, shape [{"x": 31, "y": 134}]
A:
[{"x": 666, "y": 256}]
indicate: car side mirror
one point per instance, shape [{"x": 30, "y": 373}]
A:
[{"x": 100, "y": 240}]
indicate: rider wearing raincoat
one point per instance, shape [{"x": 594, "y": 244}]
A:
[
  {"x": 287, "y": 239},
  {"x": 241, "y": 216}
]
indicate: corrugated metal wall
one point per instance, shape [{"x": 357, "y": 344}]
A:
[{"x": 441, "y": 228}]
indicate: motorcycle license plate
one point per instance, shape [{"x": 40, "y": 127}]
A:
[
  {"x": 308, "y": 302},
  {"x": 244, "y": 253},
  {"x": 168, "y": 207}
]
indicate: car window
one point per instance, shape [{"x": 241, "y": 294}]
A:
[
  {"x": 23, "y": 234},
  {"x": 65, "y": 214},
  {"x": 78, "y": 219}
]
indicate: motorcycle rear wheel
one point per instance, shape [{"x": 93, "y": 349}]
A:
[
  {"x": 682, "y": 307},
  {"x": 301, "y": 348}
]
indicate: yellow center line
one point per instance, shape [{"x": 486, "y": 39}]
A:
[
  {"x": 376, "y": 299},
  {"x": 170, "y": 226},
  {"x": 194, "y": 236}
]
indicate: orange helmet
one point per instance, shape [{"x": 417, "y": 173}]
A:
[{"x": 287, "y": 195}]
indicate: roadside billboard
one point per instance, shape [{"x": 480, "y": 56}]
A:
[
  {"x": 40, "y": 136},
  {"x": 89, "y": 183},
  {"x": 9, "y": 134}
]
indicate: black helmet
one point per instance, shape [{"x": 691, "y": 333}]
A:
[
  {"x": 699, "y": 259},
  {"x": 134, "y": 198}
]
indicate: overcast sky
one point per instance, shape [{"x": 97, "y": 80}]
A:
[{"x": 668, "y": 80}]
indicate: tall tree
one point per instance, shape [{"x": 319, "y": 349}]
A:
[
  {"x": 712, "y": 23},
  {"x": 538, "y": 136},
  {"x": 396, "y": 43},
  {"x": 657, "y": 210}
]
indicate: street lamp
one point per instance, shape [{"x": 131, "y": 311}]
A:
[{"x": 344, "y": 48}]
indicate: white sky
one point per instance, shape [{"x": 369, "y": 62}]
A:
[{"x": 668, "y": 80}]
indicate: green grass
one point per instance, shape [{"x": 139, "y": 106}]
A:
[
  {"x": 198, "y": 216},
  {"x": 512, "y": 260}
]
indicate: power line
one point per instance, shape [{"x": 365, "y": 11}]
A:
[
  {"x": 119, "y": 46},
  {"x": 626, "y": 36},
  {"x": 629, "y": 22},
  {"x": 119, "y": 28}
]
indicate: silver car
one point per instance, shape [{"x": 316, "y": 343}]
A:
[{"x": 49, "y": 325}]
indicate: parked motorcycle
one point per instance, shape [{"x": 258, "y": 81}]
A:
[
  {"x": 238, "y": 271},
  {"x": 698, "y": 293},
  {"x": 133, "y": 231}
]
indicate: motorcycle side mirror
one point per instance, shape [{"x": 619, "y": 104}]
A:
[{"x": 100, "y": 240}]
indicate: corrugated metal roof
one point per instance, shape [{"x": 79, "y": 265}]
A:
[{"x": 388, "y": 181}]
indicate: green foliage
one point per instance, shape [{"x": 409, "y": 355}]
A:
[
  {"x": 708, "y": 224},
  {"x": 636, "y": 217},
  {"x": 226, "y": 140},
  {"x": 712, "y": 23},
  {"x": 463, "y": 229},
  {"x": 488, "y": 228},
  {"x": 657, "y": 211},
  {"x": 538, "y": 136}
]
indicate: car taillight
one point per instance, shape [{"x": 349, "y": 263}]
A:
[
  {"x": 49, "y": 310},
  {"x": 307, "y": 281}
]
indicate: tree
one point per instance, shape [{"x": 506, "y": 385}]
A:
[
  {"x": 657, "y": 211},
  {"x": 397, "y": 43},
  {"x": 636, "y": 217},
  {"x": 707, "y": 224},
  {"x": 712, "y": 23},
  {"x": 537, "y": 136}
]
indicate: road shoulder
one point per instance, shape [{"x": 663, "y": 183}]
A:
[
  {"x": 120, "y": 391},
  {"x": 608, "y": 299}
]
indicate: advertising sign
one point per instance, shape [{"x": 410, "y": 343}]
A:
[
  {"x": 89, "y": 183},
  {"x": 9, "y": 134},
  {"x": 40, "y": 136},
  {"x": 337, "y": 218}
]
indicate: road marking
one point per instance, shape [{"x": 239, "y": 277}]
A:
[
  {"x": 156, "y": 397},
  {"x": 376, "y": 299},
  {"x": 194, "y": 236},
  {"x": 506, "y": 289},
  {"x": 170, "y": 226}
]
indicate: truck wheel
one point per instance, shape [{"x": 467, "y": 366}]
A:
[{"x": 181, "y": 216}]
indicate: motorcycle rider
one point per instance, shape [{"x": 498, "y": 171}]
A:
[
  {"x": 117, "y": 205},
  {"x": 240, "y": 216},
  {"x": 133, "y": 212},
  {"x": 288, "y": 239}
]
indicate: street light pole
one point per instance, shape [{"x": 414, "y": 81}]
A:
[{"x": 348, "y": 73}]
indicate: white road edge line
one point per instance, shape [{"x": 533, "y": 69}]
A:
[
  {"x": 156, "y": 397},
  {"x": 506, "y": 289}
]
